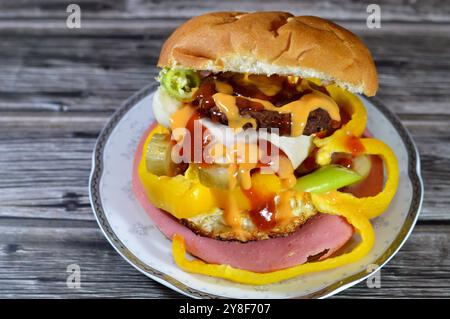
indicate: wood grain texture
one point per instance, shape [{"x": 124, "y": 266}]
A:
[
  {"x": 398, "y": 10},
  {"x": 58, "y": 87},
  {"x": 36, "y": 267}
]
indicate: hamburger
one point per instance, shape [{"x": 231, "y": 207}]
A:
[{"x": 259, "y": 163}]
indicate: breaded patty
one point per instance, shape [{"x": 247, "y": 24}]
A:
[{"x": 213, "y": 225}]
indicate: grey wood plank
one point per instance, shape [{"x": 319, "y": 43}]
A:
[
  {"x": 437, "y": 10},
  {"x": 57, "y": 69},
  {"x": 34, "y": 257},
  {"x": 411, "y": 274},
  {"x": 34, "y": 260}
]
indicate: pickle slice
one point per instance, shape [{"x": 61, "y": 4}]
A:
[
  {"x": 158, "y": 157},
  {"x": 362, "y": 165},
  {"x": 214, "y": 176}
]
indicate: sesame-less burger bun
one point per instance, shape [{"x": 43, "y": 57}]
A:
[{"x": 272, "y": 43}]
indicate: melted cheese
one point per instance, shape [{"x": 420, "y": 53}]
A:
[
  {"x": 223, "y": 87},
  {"x": 245, "y": 178},
  {"x": 286, "y": 172},
  {"x": 180, "y": 118},
  {"x": 232, "y": 213},
  {"x": 263, "y": 83},
  {"x": 227, "y": 104}
]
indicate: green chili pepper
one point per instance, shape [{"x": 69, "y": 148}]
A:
[
  {"x": 327, "y": 178},
  {"x": 180, "y": 83}
]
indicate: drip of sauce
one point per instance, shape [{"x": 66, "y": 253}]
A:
[
  {"x": 232, "y": 214},
  {"x": 264, "y": 217},
  {"x": 244, "y": 157},
  {"x": 286, "y": 172},
  {"x": 299, "y": 109},
  {"x": 227, "y": 104},
  {"x": 203, "y": 96},
  {"x": 245, "y": 178},
  {"x": 354, "y": 145},
  {"x": 181, "y": 117},
  {"x": 344, "y": 161},
  {"x": 288, "y": 180},
  {"x": 269, "y": 86},
  {"x": 223, "y": 87},
  {"x": 263, "y": 209}
]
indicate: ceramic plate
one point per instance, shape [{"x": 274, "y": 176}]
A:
[{"x": 132, "y": 233}]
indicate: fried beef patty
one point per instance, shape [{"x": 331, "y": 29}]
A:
[{"x": 318, "y": 120}]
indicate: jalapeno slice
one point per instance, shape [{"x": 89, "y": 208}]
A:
[{"x": 180, "y": 83}]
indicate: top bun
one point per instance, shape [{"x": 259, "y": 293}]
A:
[{"x": 272, "y": 43}]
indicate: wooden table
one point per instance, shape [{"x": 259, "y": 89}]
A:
[{"x": 59, "y": 86}]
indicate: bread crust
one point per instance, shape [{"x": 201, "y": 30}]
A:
[{"x": 272, "y": 43}]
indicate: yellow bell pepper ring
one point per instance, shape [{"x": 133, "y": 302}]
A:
[
  {"x": 354, "y": 107},
  {"x": 183, "y": 196},
  {"x": 369, "y": 206},
  {"x": 360, "y": 222}
]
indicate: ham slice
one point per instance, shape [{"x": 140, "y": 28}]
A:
[{"x": 322, "y": 234}]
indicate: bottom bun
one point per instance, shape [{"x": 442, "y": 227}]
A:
[{"x": 322, "y": 235}]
